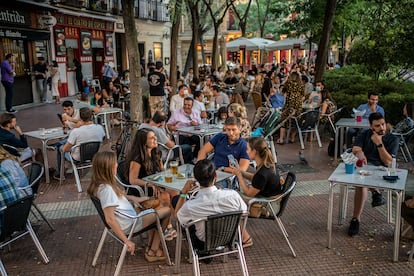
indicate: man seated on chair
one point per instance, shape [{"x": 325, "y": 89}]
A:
[
  {"x": 225, "y": 144},
  {"x": 7, "y": 124},
  {"x": 157, "y": 124},
  {"x": 87, "y": 132},
  {"x": 375, "y": 147},
  {"x": 370, "y": 107},
  {"x": 208, "y": 201},
  {"x": 186, "y": 117}
]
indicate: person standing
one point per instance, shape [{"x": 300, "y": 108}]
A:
[
  {"x": 77, "y": 66},
  {"x": 39, "y": 71},
  {"x": 54, "y": 74},
  {"x": 156, "y": 81},
  {"x": 7, "y": 79},
  {"x": 108, "y": 74}
]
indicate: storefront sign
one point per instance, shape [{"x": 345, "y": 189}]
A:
[
  {"x": 109, "y": 44},
  {"x": 60, "y": 41},
  {"x": 83, "y": 22},
  {"x": 71, "y": 32},
  {"x": 14, "y": 17},
  {"x": 86, "y": 43}
]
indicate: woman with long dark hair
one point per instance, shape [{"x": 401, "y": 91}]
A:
[
  {"x": 265, "y": 181},
  {"x": 145, "y": 159}
]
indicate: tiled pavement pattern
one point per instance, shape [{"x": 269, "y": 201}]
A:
[{"x": 72, "y": 246}]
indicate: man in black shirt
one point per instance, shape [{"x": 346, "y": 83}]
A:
[
  {"x": 39, "y": 71},
  {"x": 376, "y": 147},
  {"x": 156, "y": 81}
]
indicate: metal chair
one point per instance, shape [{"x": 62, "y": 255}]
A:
[
  {"x": 307, "y": 122},
  {"x": 170, "y": 153},
  {"x": 123, "y": 181},
  {"x": 108, "y": 230},
  {"x": 2, "y": 269},
  {"x": 86, "y": 152},
  {"x": 16, "y": 224},
  {"x": 411, "y": 253},
  {"x": 95, "y": 83},
  {"x": 331, "y": 117},
  {"x": 405, "y": 138},
  {"x": 276, "y": 205},
  {"x": 222, "y": 230},
  {"x": 17, "y": 152},
  {"x": 34, "y": 171}
]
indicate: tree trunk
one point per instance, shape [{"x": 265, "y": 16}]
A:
[
  {"x": 131, "y": 36},
  {"x": 194, "y": 26},
  {"x": 175, "y": 30},
  {"x": 189, "y": 60},
  {"x": 214, "y": 59},
  {"x": 324, "y": 41}
]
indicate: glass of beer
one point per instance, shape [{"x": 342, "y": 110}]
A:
[
  {"x": 174, "y": 167},
  {"x": 168, "y": 178}
]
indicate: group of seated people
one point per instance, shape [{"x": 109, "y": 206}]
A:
[{"x": 145, "y": 159}]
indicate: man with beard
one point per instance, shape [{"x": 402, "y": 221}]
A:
[
  {"x": 227, "y": 143},
  {"x": 376, "y": 147}
]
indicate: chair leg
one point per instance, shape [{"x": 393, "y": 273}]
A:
[
  {"x": 121, "y": 260},
  {"x": 62, "y": 167},
  {"x": 36, "y": 242},
  {"x": 100, "y": 245},
  {"x": 2, "y": 269},
  {"x": 282, "y": 228},
  {"x": 77, "y": 178},
  {"x": 410, "y": 257},
  {"x": 180, "y": 154},
  {"x": 43, "y": 217},
  {"x": 163, "y": 243},
  {"x": 318, "y": 137},
  {"x": 196, "y": 264},
  {"x": 300, "y": 134},
  {"x": 242, "y": 260}
]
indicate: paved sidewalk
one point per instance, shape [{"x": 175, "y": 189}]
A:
[{"x": 78, "y": 229}]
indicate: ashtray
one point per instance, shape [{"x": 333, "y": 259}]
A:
[
  {"x": 391, "y": 178},
  {"x": 364, "y": 172}
]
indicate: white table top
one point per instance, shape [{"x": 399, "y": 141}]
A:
[
  {"x": 374, "y": 180},
  {"x": 50, "y": 133},
  {"x": 201, "y": 130},
  {"x": 351, "y": 122},
  {"x": 107, "y": 110},
  {"x": 178, "y": 183}
]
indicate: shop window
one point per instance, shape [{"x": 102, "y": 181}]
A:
[
  {"x": 157, "y": 51},
  {"x": 71, "y": 43}
]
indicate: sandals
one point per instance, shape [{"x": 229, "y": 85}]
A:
[
  {"x": 154, "y": 256},
  {"x": 248, "y": 242},
  {"x": 279, "y": 142},
  {"x": 170, "y": 234}
]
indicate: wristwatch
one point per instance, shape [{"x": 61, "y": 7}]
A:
[{"x": 380, "y": 146}]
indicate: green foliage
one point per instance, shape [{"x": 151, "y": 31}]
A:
[{"x": 350, "y": 88}]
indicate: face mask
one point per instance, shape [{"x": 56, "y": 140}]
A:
[{"x": 317, "y": 88}]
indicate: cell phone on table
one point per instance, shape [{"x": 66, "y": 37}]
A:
[{"x": 232, "y": 160}]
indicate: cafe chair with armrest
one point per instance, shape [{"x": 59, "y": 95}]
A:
[
  {"x": 307, "y": 122},
  {"x": 405, "y": 139},
  {"x": 332, "y": 117},
  {"x": 86, "y": 151},
  {"x": 17, "y": 152},
  {"x": 2, "y": 269},
  {"x": 170, "y": 153},
  {"x": 16, "y": 224},
  {"x": 277, "y": 204},
  {"x": 95, "y": 83},
  {"x": 108, "y": 230},
  {"x": 222, "y": 230},
  {"x": 34, "y": 172},
  {"x": 123, "y": 181}
]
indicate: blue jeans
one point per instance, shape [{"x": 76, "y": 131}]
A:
[
  {"x": 59, "y": 156},
  {"x": 8, "y": 86}
]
